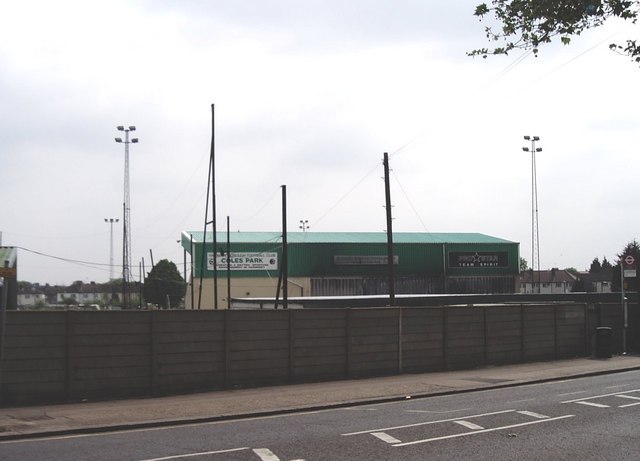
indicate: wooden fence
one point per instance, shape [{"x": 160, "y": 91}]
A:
[{"x": 56, "y": 356}]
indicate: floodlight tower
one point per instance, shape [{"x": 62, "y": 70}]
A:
[
  {"x": 126, "y": 221},
  {"x": 535, "y": 235},
  {"x": 111, "y": 221}
]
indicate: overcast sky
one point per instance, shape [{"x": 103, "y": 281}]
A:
[{"x": 309, "y": 94}]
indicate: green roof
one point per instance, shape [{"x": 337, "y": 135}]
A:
[{"x": 342, "y": 237}]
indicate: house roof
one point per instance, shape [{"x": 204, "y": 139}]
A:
[
  {"x": 343, "y": 237},
  {"x": 605, "y": 275},
  {"x": 550, "y": 276}
]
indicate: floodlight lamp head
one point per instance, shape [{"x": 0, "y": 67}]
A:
[
  {"x": 526, "y": 149},
  {"x": 536, "y": 138},
  {"x": 120, "y": 128},
  {"x": 132, "y": 128},
  {"x": 527, "y": 138},
  {"x": 134, "y": 140},
  {"x": 118, "y": 139},
  {"x": 538, "y": 149}
]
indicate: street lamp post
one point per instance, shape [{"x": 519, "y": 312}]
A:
[
  {"x": 535, "y": 236},
  {"x": 111, "y": 221},
  {"x": 126, "y": 221}
]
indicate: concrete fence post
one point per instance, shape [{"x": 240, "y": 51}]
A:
[
  {"x": 290, "y": 315},
  {"x": 226, "y": 327},
  {"x": 485, "y": 335},
  {"x": 445, "y": 339},
  {"x": 522, "y": 333},
  {"x": 69, "y": 346},
  {"x": 153, "y": 353},
  {"x": 399, "y": 340},
  {"x": 555, "y": 331},
  {"x": 348, "y": 341}
]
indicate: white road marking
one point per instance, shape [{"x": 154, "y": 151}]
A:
[
  {"x": 630, "y": 397},
  {"x": 468, "y": 425},
  {"x": 629, "y": 405},
  {"x": 571, "y": 393},
  {"x": 519, "y": 401},
  {"x": 538, "y": 421},
  {"x": 593, "y": 404},
  {"x": 617, "y": 387},
  {"x": 533, "y": 415},
  {"x": 191, "y": 455},
  {"x": 437, "y": 412},
  {"x": 386, "y": 437},
  {"x": 265, "y": 454},
  {"x": 600, "y": 396},
  {"x": 426, "y": 423}
]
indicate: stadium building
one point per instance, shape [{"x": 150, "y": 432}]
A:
[{"x": 248, "y": 264}]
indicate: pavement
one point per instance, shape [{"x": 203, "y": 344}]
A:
[{"x": 105, "y": 416}]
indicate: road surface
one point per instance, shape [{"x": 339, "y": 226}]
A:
[{"x": 588, "y": 418}]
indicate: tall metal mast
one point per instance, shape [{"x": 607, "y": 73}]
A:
[
  {"x": 111, "y": 221},
  {"x": 535, "y": 231},
  {"x": 126, "y": 221}
]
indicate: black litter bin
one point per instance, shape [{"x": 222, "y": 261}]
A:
[{"x": 604, "y": 343}]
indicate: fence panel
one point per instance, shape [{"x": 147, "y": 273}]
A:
[
  {"x": 34, "y": 366},
  {"x": 465, "y": 337},
  {"x": 109, "y": 354},
  {"x": 539, "y": 333},
  {"x": 504, "y": 335},
  {"x": 188, "y": 351},
  {"x": 422, "y": 339},
  {"x": 258, "y": 347},
  {"x": 319, "y": 344},
  {"x": 374, "y": 342}
]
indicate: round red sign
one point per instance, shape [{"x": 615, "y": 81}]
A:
[{"x": 629, "y": 260}]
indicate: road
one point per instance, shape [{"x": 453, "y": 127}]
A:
[{"x": 589, "y": 418}]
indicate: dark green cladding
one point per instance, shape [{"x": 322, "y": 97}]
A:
[{"x": 311, "y": 254}]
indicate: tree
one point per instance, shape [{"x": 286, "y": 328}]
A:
[
  {"x": 524, "y": 265},
  {"x": 606, "y": 264},
  {"x": 528, "y": 24},
  {"x": 164, "y": 281},
  {"x": 572, "y": 271},
  {"x": 595, "y": 266},
  {"x": 632, "y": 248}
]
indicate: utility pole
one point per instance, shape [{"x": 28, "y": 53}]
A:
[
  {"x": 285, "y": 252},
  {"x": 535, "y": 235},
  {"x": 126, "y": 221},
  {"x": 387, "y": 194}
]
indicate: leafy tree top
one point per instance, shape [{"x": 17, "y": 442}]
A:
[
  {"x": 632, "y": 248},
  {"x": 164, "y": 283},
  {"x": 528, "y": 24},
  {"x": 595, "y": 266}
]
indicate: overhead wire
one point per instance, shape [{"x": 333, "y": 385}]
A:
[
  {"x": 346, "y": 194},
  {"x": 404, "y": 192},
  {"x": 92, "y": 265}
]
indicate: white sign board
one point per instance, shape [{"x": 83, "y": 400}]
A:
[
  {"x": 629, "y": 273},
  {"x": 244, "y": 261}
]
